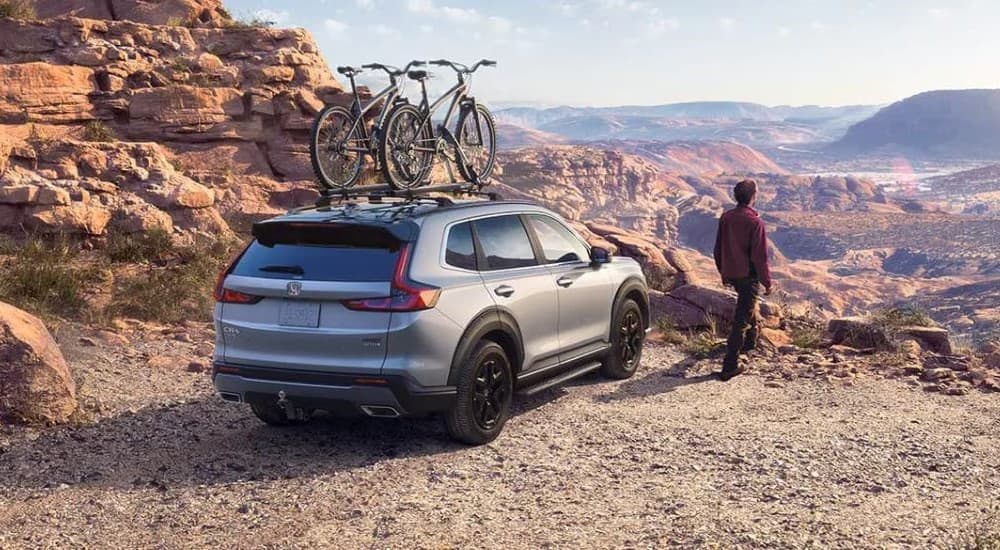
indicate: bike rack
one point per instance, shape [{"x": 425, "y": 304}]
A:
[{"x": 377, "y": 192}]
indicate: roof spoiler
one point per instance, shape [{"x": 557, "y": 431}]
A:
[{"x": 321, "y": 233}]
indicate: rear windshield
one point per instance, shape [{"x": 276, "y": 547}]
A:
[{"x": 323, "y": 255}]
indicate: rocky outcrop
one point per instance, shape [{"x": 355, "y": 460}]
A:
[
  {"x": 151, "y": 114},
  {"x": 694, "y": 306},
  {"x": 152, "y": 12},
  {"x": 35, "y": 383}
]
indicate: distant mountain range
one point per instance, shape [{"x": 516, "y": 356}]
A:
[
  {"x": 940, "y": 124},
  {"x": 749, "y": 123}
]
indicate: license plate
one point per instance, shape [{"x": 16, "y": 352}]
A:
[{"x": 298, "y": 314}]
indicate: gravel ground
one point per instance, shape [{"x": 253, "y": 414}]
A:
[{"x": 671, "y": 457}]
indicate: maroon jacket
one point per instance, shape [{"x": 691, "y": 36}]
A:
[{"x": 741, "y": 244}]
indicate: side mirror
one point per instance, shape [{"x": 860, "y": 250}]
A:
[{"x": 599, "y": 255}]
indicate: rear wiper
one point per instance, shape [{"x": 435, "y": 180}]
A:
[{"x": 292, "y": 269}]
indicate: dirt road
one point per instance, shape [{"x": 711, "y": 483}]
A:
[{"x": 671, "y": 457}]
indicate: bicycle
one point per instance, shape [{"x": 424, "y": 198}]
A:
[
  {"x": 339, "y": 139},
  {"x": 410, "y": 143}
]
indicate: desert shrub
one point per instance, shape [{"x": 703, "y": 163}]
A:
[
  {"x": 95, "y": 130},
  {"x": 902, "y": 316},
  {"x": 252, "y": 21},
  {"x": 176, "y": 292},
  {"x": 17, "y": 9},
  {"x": 40, "y": 276},
  {"x": 147, "y": 246},
  {"x": 701, "y": 344},
  {"x": 806, "y": 335},
  {"x": 668, "y": 330}
]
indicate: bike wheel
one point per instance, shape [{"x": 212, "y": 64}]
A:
[
  {"x": 335, "y": 146},
  {"x": 406, "y": 148},
  {"x": 478, "y": 144}
]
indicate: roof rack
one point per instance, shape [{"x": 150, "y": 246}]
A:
[{"x": 377, "y": 192}]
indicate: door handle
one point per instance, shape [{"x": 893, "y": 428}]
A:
[
  {"x": 504, "y": 290},
  {"x": 564, "y": 281}
]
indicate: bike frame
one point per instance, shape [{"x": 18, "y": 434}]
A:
[
  {"x": 390, "y": 94},
  {"x": 459, "y": 98}
]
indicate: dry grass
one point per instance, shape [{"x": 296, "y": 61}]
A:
[
  {"x": 53, "y": 278},
  {"x": 95, "y": 130},
  {"x": 40, "y": 275},
  {"x": 668, "y": 330},
  {"x": 17, "y": 9},
  {"x": 178, "y": 291},
  {"x": 138, "y": 247},
  {"x": 902, "y": 316},
  {"x": 983, "y": 535}
]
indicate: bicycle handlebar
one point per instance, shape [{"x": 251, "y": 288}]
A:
[
  {"x": 460, "y": 68},
  {"x": 394, "y": 71}
]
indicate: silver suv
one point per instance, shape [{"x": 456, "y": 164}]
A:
[{"x": 422, "y": 306}]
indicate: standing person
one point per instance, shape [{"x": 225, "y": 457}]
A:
[{"x": 741, "y": 258}]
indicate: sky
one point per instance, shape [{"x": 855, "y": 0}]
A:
[{"x": 647, "y": 52}]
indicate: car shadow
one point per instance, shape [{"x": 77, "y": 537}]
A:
[
  {"x": 682, "y": 373},
  {"x": 206, "y": 441}
]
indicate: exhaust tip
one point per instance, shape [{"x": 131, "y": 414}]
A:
[
  {"x": 233, "y": 397},
  {"x": 380, "y": 411}
]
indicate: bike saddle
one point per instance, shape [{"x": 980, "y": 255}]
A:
[
  {"x": 348, "y": 71},
  {"x": 418, "y": 75}
]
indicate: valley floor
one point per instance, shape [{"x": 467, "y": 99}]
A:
[{"x": 671, "y": 457}]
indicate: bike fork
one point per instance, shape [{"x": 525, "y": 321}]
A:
[{"x": 446, "y": 134}]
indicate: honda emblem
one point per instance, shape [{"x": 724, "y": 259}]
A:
[{"x": 294, "y": 288}]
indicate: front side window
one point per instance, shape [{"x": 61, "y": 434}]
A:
[
  {"x": 461, "y": 252},
  {"x": 504, "y": 242},
  {"x": 559, "y": 244}
]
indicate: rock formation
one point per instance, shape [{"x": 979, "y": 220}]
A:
[
  {"x": 35, "y": 383},
  {"x": 128, "y": 119}
]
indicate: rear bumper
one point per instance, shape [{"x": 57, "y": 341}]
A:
[{"x": 337, "y": 393}]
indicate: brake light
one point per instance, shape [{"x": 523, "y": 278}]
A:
[
  {"x": 227, "y": 296},
  {"x": 405, "y": 294}
]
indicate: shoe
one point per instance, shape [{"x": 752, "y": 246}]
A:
[{"x": 727, "y": 375}]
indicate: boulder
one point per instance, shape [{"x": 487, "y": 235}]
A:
[
  {"x": 35, "y": 382},
  {"x": 858, "y": 332},
  {"x": 720, "y": 305},
  {"x": 78, "y": 217},
  {"x": 930, "y": 338}
]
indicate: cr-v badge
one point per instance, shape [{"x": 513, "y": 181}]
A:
[{"x": 294, "y": 288}]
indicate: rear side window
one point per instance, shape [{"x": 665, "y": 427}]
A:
[
  {"x": 321, "y": 254},
  {"x": 505, "y": 243},
  {"x": 559, "y": 244},
  {"x": 461, "y": 252}
]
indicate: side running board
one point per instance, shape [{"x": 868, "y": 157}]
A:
[{"x": 585, "y": 369}]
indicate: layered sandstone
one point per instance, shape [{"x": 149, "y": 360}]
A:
[{"x": 122, "y": 120}]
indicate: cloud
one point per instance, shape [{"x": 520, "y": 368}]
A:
[
  {"x": 939, "y": 12},
  {"x": 426, "y": 29},
  {"x": 384, "y": 31},
  {"x": 278, "y": 17},
  {"x": 784, "y": 31},
  {"x": 500, "y": 25},
  {"x": 458, "y": 15},
  {"x": 566, "y": 9},
  {"x": 334, "y": 26},
  {"x": 819, "y": 26},
  {"x": 662, "y": 25},
  {"x": 365, "y": 4},
  {"x": 727, "y": 23}
]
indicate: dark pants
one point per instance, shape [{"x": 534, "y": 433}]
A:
[{"x": 744, "y": 334}]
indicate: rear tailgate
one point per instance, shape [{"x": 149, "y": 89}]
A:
[{"x": 302, "y": 273}]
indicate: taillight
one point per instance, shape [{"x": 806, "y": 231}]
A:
[
  {"x": 226, "y": 295},
  {"x": 405, "y": 295}
]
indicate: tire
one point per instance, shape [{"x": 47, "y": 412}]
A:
[
  {"x": 483, "y": 159},
  {"x": 273, "y": 415},
  {"x": 403, "y": 167},
  {"x": 627, "y": 337},
  {"x": 475, "y": 420},
  {"x": 335, "y": 170}
]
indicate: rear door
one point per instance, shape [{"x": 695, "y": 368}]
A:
[
  {"x": 585, "y": 291},
  {"x": 521, "y": 285},
  {"x": 302, "y": 276}
]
